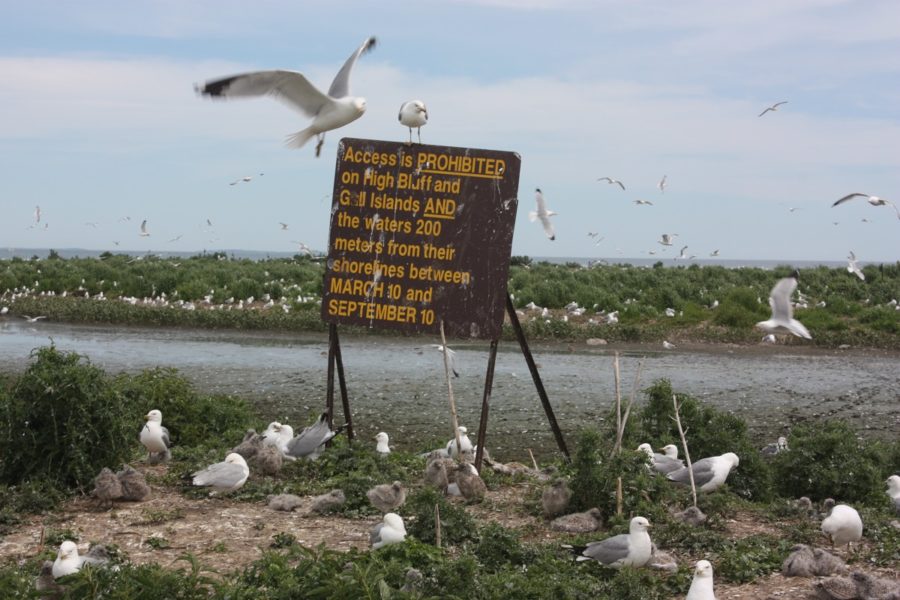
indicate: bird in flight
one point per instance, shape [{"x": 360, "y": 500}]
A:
[
  {"x": 873, "y": 200},
  {"x": 666, "y": 239},
  {"x": 37, "y": 213},
  {"x": 853, "y": 266},
  {"x": 782, "y": 319},
  {"x": 641, "y": 202},
  {"x": 542, "y": 214},
  {"x": 662, "y": 184},
  {"x": 413, "y": 114},
  {"x": 284, "y": 226},
  {"x": 611, "y": 181},
  {"x": 329, "y": 111},
  {"x": 144, "y": 232},
  {"x": 772, "y": 108}
]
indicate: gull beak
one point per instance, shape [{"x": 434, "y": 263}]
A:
[{"x": 146, "y": 417}]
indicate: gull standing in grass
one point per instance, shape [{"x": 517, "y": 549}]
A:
[
  {"x": 782, "y": 319},
  {"x": 772, "y": 108},
  {"x": 893, "y": 491},
  {"x": 155, "y": 437},
  {"x": 873, "y": 200},
  {"x": 542, "y": 214},
  {"x": 702, "y": 584},
  {"x": 329, "y": 111},
  {"x": 226, "y": 476},
  {"x": 612, "y": 181},
  {"x": 413, "y": 114},
  {"x": 709, "y": 473},
  {"x": 382, "y": 447},
  {"x": 843, "y": 525},
  {"x": 853, "y": 266},
  {"x": 626, "y": 550}
]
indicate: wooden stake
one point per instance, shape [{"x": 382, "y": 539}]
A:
[
  {"x": 687, "y": 455},
  {"x": 453, "y": 420},
  {"x": 618, "y": 402},
  {"x": 534, "y": 462},
  {"x": 437, "y": 525},
  {"x": 620, "y": 432},
  {"x": 619, "y": 496}
]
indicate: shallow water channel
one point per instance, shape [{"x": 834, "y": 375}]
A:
[{"x": 397, "y": 384}]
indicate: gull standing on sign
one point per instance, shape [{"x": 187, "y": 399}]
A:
[
  {"x": 543, "y": 214},
  {"x": 329, "y": 111},
  {"x": 413, "y": 114}
]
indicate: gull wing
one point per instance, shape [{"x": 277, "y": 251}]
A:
[
  {"x": 609, "y": 550},
  {"x": 290, "y": 87},
  {"x": 703, "y": 473},
  {"x": 219, "y": 475},
  {"x": 850, "y": 197},
  {"x": 340, "y": 87},
  {"x": 310, "y": 438},
  {"x": 165, "y": 436},
  {"x": 780, "y": 299}
]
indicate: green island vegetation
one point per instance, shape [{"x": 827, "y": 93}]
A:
[
  {"x": 63, "y": 419},
  {"x": 707, "y": 303}
]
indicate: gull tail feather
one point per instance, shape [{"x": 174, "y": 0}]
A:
[{"x": 299, "y": 139}]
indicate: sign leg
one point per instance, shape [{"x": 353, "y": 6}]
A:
[
  {"x": 545, "y": 401},
  {"x": 345, "y": 400},
  {"x": 329, "y": 390},
  {"x": 485, "y": 404}
]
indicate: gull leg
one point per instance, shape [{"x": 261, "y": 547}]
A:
[
  {"x": 418, "y": 133},
  {"x": 409, "y": 143},
  {"x": 320, "y": 139}
]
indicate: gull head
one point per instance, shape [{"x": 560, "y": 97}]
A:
[
  {"x": 394, "y": 521},
  {"x": 360, "y": 105},
  {"x": 733, "y": 458},
  {"x": 235, "y": 458},
  {"x": 703, "y": 569},
  {"x": 638, "y": 524},
  {"x": 67, "y": 549},
  {"x": 154, "y": 415},
  {"x": 382, "y": 437}
]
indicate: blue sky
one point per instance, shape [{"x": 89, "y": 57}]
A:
[{"x": 99, "y": 121}]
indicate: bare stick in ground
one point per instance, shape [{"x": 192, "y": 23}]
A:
[
  {"x": 621, "y": 431},
  {"x": 453, "y": 420},
  {"x": 437, "y": 525},
  {"x": 534, "y": 462},
  {"x": 618, "y": 401},
  {"x": 687, "y": 455}
]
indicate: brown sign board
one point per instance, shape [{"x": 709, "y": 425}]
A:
[{"x": 420, "y": 234}]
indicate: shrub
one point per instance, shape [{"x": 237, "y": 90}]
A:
[
  {"x": 63, "y": 420},
  {"x": 828, "y": 460},
  {"x": 457, "y": 526}
]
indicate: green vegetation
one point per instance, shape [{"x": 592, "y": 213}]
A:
[
  {"x": 478, "y": 558},
  {"x": 284, "y": 294}
]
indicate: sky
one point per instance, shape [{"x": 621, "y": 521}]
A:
[{"x": 100, "y": 125}]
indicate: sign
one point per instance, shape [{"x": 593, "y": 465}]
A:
[{"x": 420, "y": 234}]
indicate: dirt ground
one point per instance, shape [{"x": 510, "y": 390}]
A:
[{"x": 228, "y": 535}]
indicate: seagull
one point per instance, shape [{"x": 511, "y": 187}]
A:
[
  {"x": 382, "y": 447},
  {"x": 308, "y": 444},
  {"x": 278, "y": 436},
  {"x": 626, "y": 550},
  {"x": 662, "y": 184},
  {"x": 284, "y": 226},
  {"x": 873, "y": 200},
  {"x": 773, "y": 108},
  {"x": 853, "y": 267},
  {"x": 33, "y": 319},
  {"x": 37, "y": 213},
  {"x": 843, "y": 525},
  {"x": 782, "y": 319},
  {"x": 611, "y": 181},
  {"x": 224, "y": 476},
  {"x": 893, "y": 491},
  {"x": 301, "y": 247},
  {"x": 702, "y": 584},
  {"x": 714, "y": 253},
  {"x": 663, "y": 463},
  {"x": 413, "y": 114},
  {"x": 154, "y": 436},
  {"x": 682, "y": 254},
  {"x": 542, "y": 213},
  {"x": 769, "y": 338},
  {"x": 451, "y": 358},
  {"x": 668, "y": 345},
  {"x": 464, "y": 442},
  {"x": 67, "y": 560},
  {"x": 329, "y": 111},
  {"x": 709, "y": 473},
  {"x": 667, "y": 238},
  {"x": 175, "y": 239},
  {"x": 390, "y": 531},
  {"x": 642, "y": 202},
  {"x": 144, "y": 232}
]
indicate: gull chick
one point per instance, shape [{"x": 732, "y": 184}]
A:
[
  {"x": 782, "y": 319},
  {"x": 542, "y": 214},
  {"x": 387, "y": 496},
  {"x": 413, "y": 114},
  {"x": 329, "y": 111}
]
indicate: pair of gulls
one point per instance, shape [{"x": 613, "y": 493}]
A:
[
  {"x": 709, "y": 473},
  {"x": 329, "y": 111}
]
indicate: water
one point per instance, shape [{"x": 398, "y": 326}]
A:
[{"x": 397, "y": 384}]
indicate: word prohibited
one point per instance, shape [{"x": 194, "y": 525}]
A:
[{"x": 420, "y": 234}]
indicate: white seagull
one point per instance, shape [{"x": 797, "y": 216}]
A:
[
  {"x": 33, "y": 319},
  {"x": 390, "y": 531},
  {"x": 682, "y": 255},
  {"x": 773, "y": 108},
  {"x": 873, "y": 200},
  {"x": 37, "y": 213},
  {"x": 702, "y": 584},
  {"x": 782, "y": 319},
  {"x": 329, "y": 111},
  {"x": 666, "y": 239},
  {"x": 451, "y": 357},
  {"x": 626, "y": 550},
  {"x": 893, "y": 491},
  {"x": 853, "y": 266},
  {"x": 662, "y": 184},
  {"x": 643, "y": 202},
  {"x": 843, "y": 525},
  {"x": 144, "y": 232},
  {"x": 542, "y": 213},
  {"x": 309, "y": 443},
  {"x": 154, "y": 436},
  {"x": 67, "y": 560},
  {"x": 709, "y": 473},
  {"x": 382, "y": 446},
  {"x": 413, "y": 114},
  {"x": 224, "y": 476},
  {"x": 611, "y": 181}
]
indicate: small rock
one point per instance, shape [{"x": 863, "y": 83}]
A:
[{"x": 596, "y": 342}]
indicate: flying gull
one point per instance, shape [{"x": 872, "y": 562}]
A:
[
  {"x": 542, "y": 213},
  {"x": 329, "y": 111},
  {"x": 413, "y": 114},
  {"x": 782, "y": 319},
  {"x": 224, "y": 476},
  {"x": 144, "y": 232},
  {"x": 853, "y": 266},
  {"x": 709, "y": 473},
  {"x": 773, "y": 108},
  {"x": 682, "y": 255},
  {"x": 642, "y": 202},
  {"x": 662, "y": 184},
  {"x": 666, "y": 239},
  {"x": 155, "y": 437},
  {"x": 873, "y": 200},
  {"x": 451, "y": 358},
  {"x": 37, "y": 213},
  {"x": 626, "y": 550},
  {"x": 33, "y": 319},
  {"x": 611, "y": 181}
]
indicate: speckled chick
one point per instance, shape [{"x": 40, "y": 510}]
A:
[
  {"x": 582, "y": 522},
  {"x": 328, "y": 502},
  {"x": 285, "y": 502},
  {"x": 471, "y": 486},
  {"x": 555, "y": 498},
  {"x": 107, "y": 487},
  {"x": 387, "y": 497},
  {"x": 436, "y": 475},
  {"x": 134, "y": 484},
  {"x": 799, "y": 563},
  {"x": 268, "y": 460}
]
